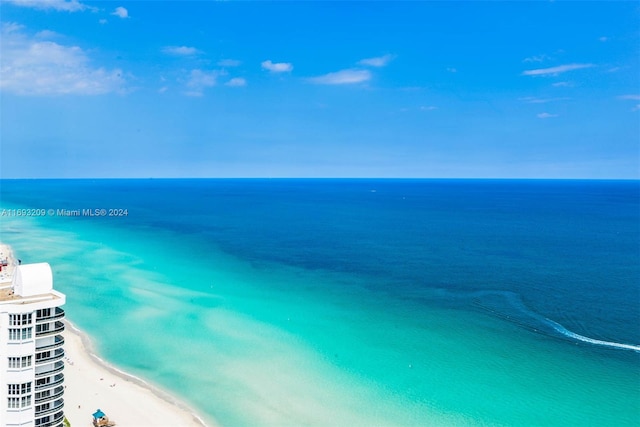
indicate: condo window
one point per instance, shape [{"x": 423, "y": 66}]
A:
[
  {"x": 43, "y": 381},
  {"x": 44, "y": 420},
  {"x": 25, "y": 401},
  {"x": 42, "y": 328},
  {"x": 19, "y": 362},
  {"x": 43, "y": 355},
  {"x": 20, "y": 334},
  {"x": 13, "y": 402},
  {"x": 26, "y": 333},
  {"x": 45, "y": 312},
  {"x": 24, "y": 388},
  {"x": 20, "y": 319}
]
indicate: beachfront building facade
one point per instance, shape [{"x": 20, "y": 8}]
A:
[{"x": 31, "y": 348}]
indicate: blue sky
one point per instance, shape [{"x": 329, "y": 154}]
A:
[{"x": 320, "y": 89}]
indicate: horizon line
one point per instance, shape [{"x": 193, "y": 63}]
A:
[{"x": 326, "y": 178}]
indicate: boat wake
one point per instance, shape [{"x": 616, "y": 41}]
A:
[
  {"x": 529, "y": 319},
  {"x": 564, "y": 331}
]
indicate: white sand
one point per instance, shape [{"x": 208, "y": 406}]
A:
[{"x": 130, "y": 402}]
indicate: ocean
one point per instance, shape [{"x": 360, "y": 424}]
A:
[{"x": 330, "y": 302}]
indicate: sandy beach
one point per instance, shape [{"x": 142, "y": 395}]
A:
[{"x": 90, "y": 384}]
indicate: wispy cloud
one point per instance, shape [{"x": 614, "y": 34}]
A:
[
  {"x": 631, "y": 97},
  {"x": 277, "y": 67},
  {"x": 556, "y": 70},
  {"x": 350, "y": 76},
  {"x": 546, "y": 115},
  {"x": 180, "y": 50},
  {"x": 603, "y": 39},
  {"x": 562, "y": 84},
  {"x": 379, "y": 61},
  {"x": 236, "y": 82},
  {"x": 428, "y": 108},
  {"x": 60, "y": 5},
  {"x": 536, "y": 100},
  {"x": 102, "y": 21},
  {"x": 199, "y": 80},
  {"x": 452, "y": 70},
  {"x": 32, "y": 66},
  {"x": 537, "y": 58},
  {"x": 10, "y": 27},
  {"x": 121, "y": 12},
  {"x": 229, "y": 63}
]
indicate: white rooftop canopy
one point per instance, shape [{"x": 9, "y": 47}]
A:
[{"x": 33, "y": 279}]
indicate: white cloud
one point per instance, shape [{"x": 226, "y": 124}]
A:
[
  {"x": 102, "y": 21},
  {"x": 562, "y": 84},
  {"x": 236, "y": 82},
  {"x": 121, "y": 12},
  {"x": 199, "y": 80},
  {"x": 428, "y": 108},
  {"x": 379, "y": 61},
  {"x": 555, "y": 70},
  {"x": 34, "y": 67},
  {"x": 636, "y": 108},
  {"x": 180, "y": 50},
  {"x": 163, "y": 89},
  {"x": 603, "y": 39},
  {"x": 452, "y": 70},
  {"x": 60, "y": 5},
  {"x": 229, "y": 63},
  {"x": 546, "y": 115},
  {"x": 342, "y": 77},
  {"x": 47, "y": 34},
  {"x": 277, "y": 67}
]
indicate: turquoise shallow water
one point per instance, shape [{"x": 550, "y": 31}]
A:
[{"x": 251, "y": 336}]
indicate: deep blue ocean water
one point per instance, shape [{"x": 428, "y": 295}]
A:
[{"x": 548, "y": 263}]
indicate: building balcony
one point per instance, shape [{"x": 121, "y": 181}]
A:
[
  {"x": 59, "y": 342},
  {"x": 57, "y": 380},
  {"x": 56, "y": 355},
  {"x": 58, "y": 327},
  {"x": 44, "y": 396},
  {"x": 56, "y": 421},
  {"x": 53, "y": 407},
  {"x": 58, "y": 314},
  {"x": 57, "y": 367}
]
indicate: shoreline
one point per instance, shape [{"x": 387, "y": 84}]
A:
[
  {"x": 130, "y": 400},
  {"x": 133, "y": 401}
]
